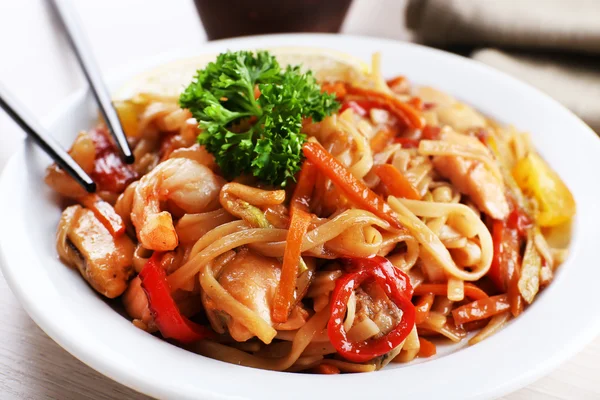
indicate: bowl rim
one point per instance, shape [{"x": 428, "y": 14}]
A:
[{"x": 119, "y": 368}]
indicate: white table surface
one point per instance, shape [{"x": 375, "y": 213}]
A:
[{"x": 36, "y": 65}]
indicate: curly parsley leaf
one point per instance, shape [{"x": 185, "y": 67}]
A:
[{"x": 248, "y": 134}]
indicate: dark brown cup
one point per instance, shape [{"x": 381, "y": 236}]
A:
[{"x": 230, "y": 18}]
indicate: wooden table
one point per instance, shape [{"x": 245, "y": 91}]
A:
[{"x": 36, "y": 65}]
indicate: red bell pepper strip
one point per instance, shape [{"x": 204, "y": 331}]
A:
[
  {"x": 110, "y": 172},
  {"x": 519, "y": 220},
  {"x": 396, "y": 285},
  {"x": 505, "y": 270},
  {"x": 355, "y": 189},
  {"x": 300, "y": 220},
  {"x": 168, "y": 319}
]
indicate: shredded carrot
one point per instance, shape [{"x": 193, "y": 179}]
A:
[
  {"x": 405, "y": 112},
  {"x": 416, "y": 102},
  {"x": 427, "y": 348},
  {"x": 441, "y": 289},
  {"x": 422, "y": 307},
  {"x": 105, "y": 213},
  {"x": 300, "y": 220},
  {"x": 481, "y": 309},
  {"x": 355, "y": 189},
  {"x": 304, "y": 188},
  {"x": 398, "y": 84},
  {"x": 395, "y": 181},
  {"x": 326, "y": 369},
  {"x": 382, "y": 138},
  {"x": 431, "y": 132},
  {"x": 337, "y": 88},
  {"x": 475, "y": 325},
  {"x": 407, "y": 143}
]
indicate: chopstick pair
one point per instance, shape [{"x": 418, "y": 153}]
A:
[{"x": 40, "y": 136}]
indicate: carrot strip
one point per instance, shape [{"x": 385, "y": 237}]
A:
[
  {"x": 431, "y": 132},
  {"x": 405, "y": 112},
  {"x": 396, "y": 182},
  {"x": 407, "y": 143},
  {"x": 398, "y": 84},
  {"x": 353, "y": 188},
  {"x": 476, "y": 325},
  {"x": 381, "y": 139},
  {"x": 326, "y": 369},
  {"x": 481, "y": 309},
  {"x": 105, "y": 213},
  {"x": 300, "y": 220},
  {"x": 416, "y": 102},
  {"x": 422, "y": 307},
  {"x": 337, "y": 88},
  {"x": 441, "y": 289},
  {"x": 427, "y": 348},
  {"x": 304, "y": 188}
]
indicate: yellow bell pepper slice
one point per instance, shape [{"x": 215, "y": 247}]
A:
[
  {"x": 555, "y": 203},
  {"x": 129, "y": 112}
]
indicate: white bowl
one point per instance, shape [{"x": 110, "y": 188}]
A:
[{"x": 560, "y": 322}]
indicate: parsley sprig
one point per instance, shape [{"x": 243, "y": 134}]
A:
[{"x": 248, "y": 134}]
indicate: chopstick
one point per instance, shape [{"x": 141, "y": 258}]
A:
[
  {"x": 93, "y": 76},
  {"x": 36, "y": 132}
]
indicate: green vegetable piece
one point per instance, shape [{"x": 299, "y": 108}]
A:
[{"x": 255, "y": 135}]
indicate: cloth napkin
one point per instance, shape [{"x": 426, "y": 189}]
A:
[{"x": 552, "y": 44}]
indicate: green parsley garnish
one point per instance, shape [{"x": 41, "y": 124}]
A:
[{"x": 260, "y": 135}]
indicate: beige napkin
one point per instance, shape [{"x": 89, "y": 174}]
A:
[{"x": 558, "y": 42}]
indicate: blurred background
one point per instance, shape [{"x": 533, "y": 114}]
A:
[{"x": 552, "y": 44}]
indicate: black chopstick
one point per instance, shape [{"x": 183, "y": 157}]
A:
[
  {"x": 93, "y": 76},
  {"x": 36, "y": 132}
]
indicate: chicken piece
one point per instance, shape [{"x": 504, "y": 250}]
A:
[
  {"x": 460, "y": 117},
  {"x": 435, "y": 97},
  {"x": 190, "y": 186},
  {"x": 103, "y": 260},
  {"x": 252, "y": 280},
  {"x": 473, "y": 178},
  {"x": 135, "y": 302},
  {"x": 84, "y": 153},
  {"x": 447, "y": 111},
  {"x": 373, "y": 303}
]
